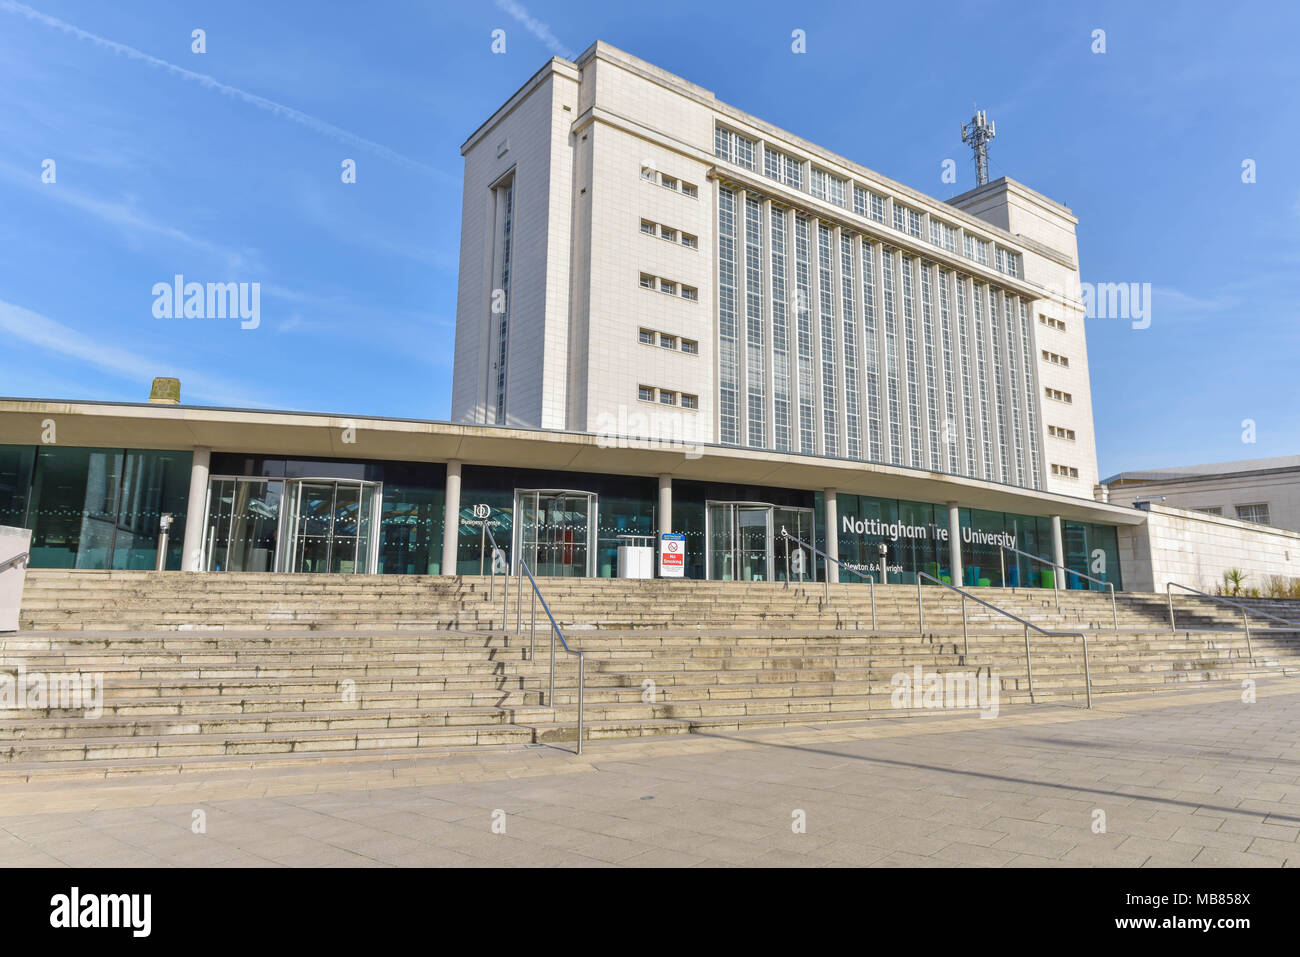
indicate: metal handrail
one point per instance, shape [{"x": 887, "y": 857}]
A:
[
  {"x": 492, "y": 583},
  {"x": 555, "y": 630},
  {"x": 1029, "y": 667},
  {"x": 871, "y": 579},
  {"x": 1223, "y": 600},
  {"x": 16, "y": 559},
  {"x": 1002, "y": 557},
  {"x": 555, "y": 626}
]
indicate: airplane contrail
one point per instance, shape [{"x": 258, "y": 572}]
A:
[{"x": 211, "y": 83}]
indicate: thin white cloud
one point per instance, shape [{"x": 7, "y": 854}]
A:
[
  {"x": 211, "y": 83},
  {"x": 53, "y": 336},
  {"x": 538, "y": 29},
  {"x": 121, "y": 215}
]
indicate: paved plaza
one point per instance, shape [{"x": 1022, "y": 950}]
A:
[{"x": 1190, "y": 778}]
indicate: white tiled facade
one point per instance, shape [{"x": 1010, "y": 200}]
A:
[{"x": 817, "y": 325}]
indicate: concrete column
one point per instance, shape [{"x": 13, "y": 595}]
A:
[
  {"x": 832, "y": 535},
  {"x": 665, "y": 504},
  {"x": 954, "y": 543},
  {"x": 1058, "y": 551},
  {"x": 451, "y": 519},
  {"x": 196, "y": 511}
]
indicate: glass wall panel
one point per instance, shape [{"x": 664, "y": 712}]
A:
[
  {"x": 981, "y": 562},
  {"x": 620, "y": 515},
  {"x": 410, "y": 535},
  {"x": 152, "y": 483},
  {"x": 16, "y": 462},
  {"x": 1092, "y": 550},
  {"x": 100, "y": 508}
]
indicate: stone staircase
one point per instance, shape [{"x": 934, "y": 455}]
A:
[{"x": 220, "y": 671}]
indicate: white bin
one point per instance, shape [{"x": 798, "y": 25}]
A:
[{"x": 636, "y": 556}]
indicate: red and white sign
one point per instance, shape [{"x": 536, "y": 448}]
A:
[{"x": 672, "y": 555}]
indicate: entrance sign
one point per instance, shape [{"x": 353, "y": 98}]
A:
[{"x": 672, "y": 555}]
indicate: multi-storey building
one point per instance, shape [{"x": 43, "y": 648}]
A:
[{"x": 640, "y": 259}]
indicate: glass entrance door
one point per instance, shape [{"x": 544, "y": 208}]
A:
[
  {"x": 554, "y": 531},
  {"x": 243, "y": 523},
  {"x": 331, "y": 526},
  {"x": 799, "y": 523},
  {"x": 745, "y": 543},
  {"x": 294, "y": 525}
]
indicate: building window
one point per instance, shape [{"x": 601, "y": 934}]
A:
[
  {"x": 1004, "y": 260},
  {"x": 690, "y": 292},
  {"x": 647, "y": 227},
  {"x": 645, "y": 393},
  {"x": 782, "y": 168},
  {"x": 1253, "y": 513},
  {"x": 977, "y": 249},
  {"x": 691, "y": 347},
  {"x": 907, "y": 220},
  {"x": 667, "y": 342},
  {"x": 646, "y": 337},
  {"x": 941, "y": 234},
  {"x": 647, "y": 281},
  {"x": 647, "y": 172},
  {"x": 1057, "y": 432},
  {"x": 667, "y": 397},
  {"x": 829, "y": 187},
  {"x": 1051, "y": 323},
  {"x": 668, "y": 234},
  {"x": 1065, "y": 471},
  {"x": 1210, "y": 510},
  {"x": 667, "y": 182},
  {"x": 668, "y": 286},
  {"x": 689, "y": 241},
  {"x": 690, "y": 401},
  {"x": 731, "y": 146},
  {"x": 1054, "y": 359},
  {"x": 689, "y": 189},
  {"x": 1059, "y": 396}
]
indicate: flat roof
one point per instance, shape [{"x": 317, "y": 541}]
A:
[
  {"x": 323, "y": 435},
  {"x": 1279, "y": 463}
]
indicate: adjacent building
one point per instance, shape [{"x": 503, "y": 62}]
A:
[{"x": 1264, "y": 491}]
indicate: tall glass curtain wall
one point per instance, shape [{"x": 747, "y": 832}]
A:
[
  {"x": 95, "y": 508},
  {"x": 875, "y": 353}
]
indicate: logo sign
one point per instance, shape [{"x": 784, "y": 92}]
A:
[
  {"x": 672, "y": 555},
  {"x": 482, "y": 511}
]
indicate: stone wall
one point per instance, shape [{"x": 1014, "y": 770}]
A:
[{"x": 1195, "y": 549}]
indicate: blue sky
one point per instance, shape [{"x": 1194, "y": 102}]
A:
[{"x": 225, "y": 166}]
